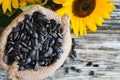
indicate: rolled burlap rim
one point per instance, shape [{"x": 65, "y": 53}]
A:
[{"x": 43, "y": 72}]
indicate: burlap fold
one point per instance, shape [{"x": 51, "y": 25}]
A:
[{"x": 43, "y": 72}]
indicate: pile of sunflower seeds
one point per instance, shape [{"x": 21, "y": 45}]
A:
[{"x": 34, "y": 42}]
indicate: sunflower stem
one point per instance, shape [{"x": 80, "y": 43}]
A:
[{"x": 44, "y": 3}]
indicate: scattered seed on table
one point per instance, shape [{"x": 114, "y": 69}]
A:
[
  {"x": 72, "y": 56},
  {"x": 95, "y": 65},
  {"x": 73, "y": 68},
  {"x": 78, "y": 70},
  {"x": 91, "y": 73},
  {"x": 67, "y": 69},
  {"x": 89, "y": 64}
]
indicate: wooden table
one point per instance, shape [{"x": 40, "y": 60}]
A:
[{"x": 101, "y": 48}]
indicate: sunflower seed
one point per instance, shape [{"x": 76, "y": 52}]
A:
[
  {"x": 36, "y": 66},
  {"x": 59, "y": 40},
  {"x": 91, "y": 73},
  {"x": 17, "y": 58},
  {"x": 27, "y": 16},
  {"x": 15, "y": 29},
  {"x": 95, "y": 65},
  {"x": 53, "y": 24},
  {"x": 73, "y": 68},
  {"x": 67, "y": 69},
  {"x": 52, "y": 42},
  {"x": 35, "y": 35},
  {"x": 28, "y": 60},
  {"x": 78, "y": 70},
  {"x": 89, "y": 64},
  {"x": 6, "y": 59},
  {"x": 21, "y": 25},
  {"x": 24, "y": 50},
  {"x": 49, "y": 52},
  {"x": 21, "y": 68}
]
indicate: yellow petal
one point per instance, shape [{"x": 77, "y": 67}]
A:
[
  {"x": 23, "y": 3},
  {"x": 81, "y": 26},
  {"x": 30, "y": 1},
  {"x": 98, "y": 19},
  {"x": 64, "y": 10},
  {"x": 1, "y": 1},
  {"x": 15, "y": 4},
  {"x": 89, "y": 24},
  {"x": 68, "y": 3},
  {"x": 38, "y": 1},
  {"x": 75, "y": 25},
  {"x": 60, "y": 1},
  {"x": 6, "y": 5},
  {"x": 109, "y": 0},
  {"x": 84, "y": 29}
]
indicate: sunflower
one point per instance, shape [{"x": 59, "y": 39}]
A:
[
  {"x": 9, "y": 4},
  {"x": 85, "y": 14}
]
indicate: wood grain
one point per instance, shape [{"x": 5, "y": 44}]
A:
[{"x": 102, "y": 48}]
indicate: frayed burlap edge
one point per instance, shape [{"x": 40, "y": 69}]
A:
[{"x": 43, "y": 72}]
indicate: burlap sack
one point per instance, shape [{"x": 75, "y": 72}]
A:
[{"x": 43, "y": 72}]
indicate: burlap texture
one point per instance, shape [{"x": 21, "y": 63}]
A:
[{"x": 43, "y": 72}]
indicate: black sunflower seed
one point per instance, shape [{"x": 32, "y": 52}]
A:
[
  {"x": 72, "y": 56},
  {"x": 54, "y": 35},
  {"x": 41, "y": 63},
  {"x": 59, "y": 40},
  {"x": 36, "y": 66},
  {"x": 27, "y": 16},
  {"x": 6, "y": 59},
  {"x": 21, "y": 68},
  {"x": 17, "y": 58},
  {"x": 60, "y": 36},
  {"x": 48, "y": 52},
  {"x": 21, "y": 25},
  {"x": 41, "y": 17},
  {"x": 9, "y": 50},
  {"x": 89, "y": 64},
  {"x": 95, "y": 65},
  {"x": 24, "y": 50},
  {"x": 28, "y": 60},
  {"x": 53, "y": 24},
  {"x": 52, "y": 42},
  {"x": 15, "y": 29},
  {"x": 35, "y": 35},
  {"x": 32, "y": 53},
  {"x": 58, "y": 27},
  {"x": 73, "y": 68},
  {"x": 91, "y": 73},
  {"x": 78, "y": 70},
  {"x": 67, "y": 69}
]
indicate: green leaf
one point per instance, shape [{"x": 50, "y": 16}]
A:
[
  {"x": 26, "y": 7},
  {"x": 44, "y": 3},
  {"x": 70, "y": 26},
  {"x": 9, "y": 14}
]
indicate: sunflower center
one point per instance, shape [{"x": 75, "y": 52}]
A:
[{"x": 83, "y": 8}]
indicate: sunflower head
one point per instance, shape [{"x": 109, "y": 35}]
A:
[
  {"x": 85, "y": 14},
  {"x": 83, "y": 8}
]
